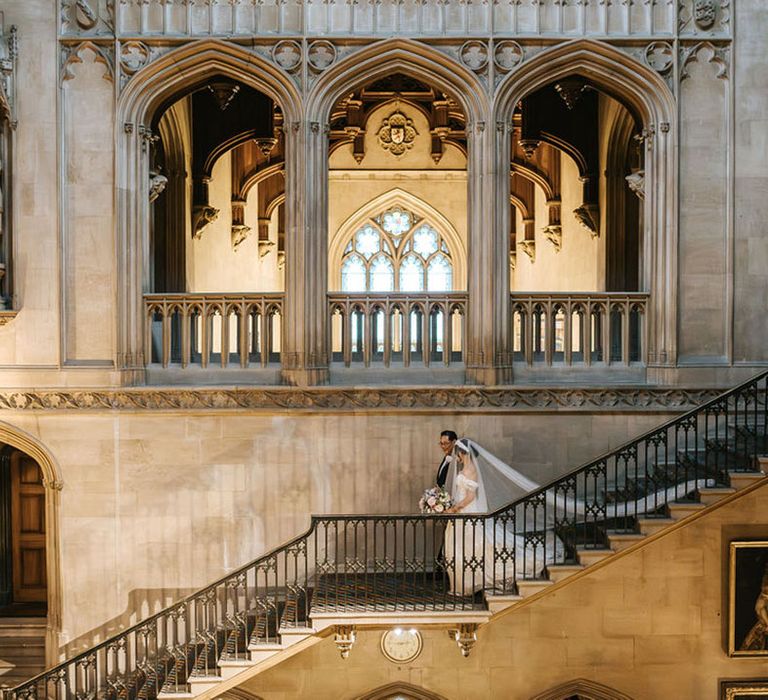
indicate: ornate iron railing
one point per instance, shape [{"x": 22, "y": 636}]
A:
[
  {"x": 200, "y": 329},
  {"x": 391, "y": 328},
  {"x": 579, "y": 328},
  {"x": 395, "y": 563}
]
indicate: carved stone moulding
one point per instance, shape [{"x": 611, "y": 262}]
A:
[{"x": 350, "y": 399}]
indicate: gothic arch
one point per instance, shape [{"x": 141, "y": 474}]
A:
[
  {"x": 412, "y": 692},
  {"x": 392, "y": 198},
  {"x": 30, "y": 445},
  {"x": 398, "y": 56},
  {"x": 650, "y": 99},
  {"x": 584, "y": 689},
  {"x": 144, "y": 94}
]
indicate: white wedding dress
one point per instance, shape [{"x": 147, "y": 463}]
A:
[{"x": 487, "y": 551}]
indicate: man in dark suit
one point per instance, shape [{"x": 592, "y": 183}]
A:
[{"x": 447, "y": 441}]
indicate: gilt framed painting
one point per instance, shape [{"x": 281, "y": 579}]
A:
[
  {"x": 744, "y": 690},
  {"x": 748, "y": 599}
]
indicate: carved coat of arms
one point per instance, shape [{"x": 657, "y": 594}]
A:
[
  {"x": 704, "y": 13},
  {"x": 396, "y": 133}
]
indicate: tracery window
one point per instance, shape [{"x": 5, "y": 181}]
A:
[{"x": 396, "y": 251}]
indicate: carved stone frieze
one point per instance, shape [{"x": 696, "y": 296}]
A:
[{"x": 351, "y": 399}]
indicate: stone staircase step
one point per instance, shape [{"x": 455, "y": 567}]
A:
[
  {"x": 678, "y": 511},
  {"x": 587, "y": 557},
  {"x": 527, "y": 588},
  {"x": 713, "y": 494},
  {"x": 497, "y": 603},
  {"x": 162, "y": 695},
  {"x": 740, "y": 480},
  {"x": 262, "y": 652},
  {"x": 558, "y": 572},
  {"x": 763, "y": 462},
  {"x": 292, "y": 635},
  {"x": 650, "y": 526},
  {"x": 619, "y": 541},
  {"x": 230, "y": 668},
  {"x": 201, "y": 684}
]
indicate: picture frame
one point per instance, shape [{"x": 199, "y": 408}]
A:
[
  {"x": 744, "y": 690},
  {"x": 748, "y": 598}
]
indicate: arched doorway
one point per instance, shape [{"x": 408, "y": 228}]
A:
[
  {"x": 400, "y": 691},
  {"x": 23, "y": 574}
]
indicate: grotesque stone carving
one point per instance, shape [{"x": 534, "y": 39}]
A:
[
  {"x": 239, "y": 233},
  {"x": 554, "y": 234}
]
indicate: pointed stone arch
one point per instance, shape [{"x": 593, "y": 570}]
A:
[
  {"x": 583, "y": 689},
  {"x": 649, "y": 98},
  {"x": 393, "y": 197},
  {"x": 30, "y": 445},
  {"x": 390, "y": 690},
  {"x": 439, "y": 69},
  {"x": 145, "y": 93}
]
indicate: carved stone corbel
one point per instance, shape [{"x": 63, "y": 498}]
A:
[
  {"x": 588, "y": 216},
  {"x": 529, "y": 248},
  {"x": 636, "y": 182},
  {"x": 345, "y": 639},
  {"x": 202, "y": 215},
  {"x": 554, "y": 234},
  {"x": 157, "y": 184},
  {"x": 465, "y": 636}
]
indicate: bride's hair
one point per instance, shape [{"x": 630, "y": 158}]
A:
[{"x": 463, "y": 445}]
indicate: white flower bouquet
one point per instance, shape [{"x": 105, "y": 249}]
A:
[{"x": 435, "y": 501}]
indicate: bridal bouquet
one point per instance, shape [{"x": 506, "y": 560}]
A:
[{"x": 435, "y": 501}]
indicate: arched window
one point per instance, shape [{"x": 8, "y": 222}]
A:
[{"x": 396, "y": 251}]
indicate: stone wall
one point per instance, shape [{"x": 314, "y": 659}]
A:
[
  {"x": 650, "y": 624},
  {"x": 156, "y": 505}
]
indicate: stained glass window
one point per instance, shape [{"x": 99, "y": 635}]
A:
[{"x": 396, "y": 251}]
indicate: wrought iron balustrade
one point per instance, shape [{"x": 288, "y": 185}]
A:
[
  {"x": 579, "y": 328},
  {"x": 201, "y": 329},
  {"x": 391, "y": 328},
  {"x": 395, "y": 563}
]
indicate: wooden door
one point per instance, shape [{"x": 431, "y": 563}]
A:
[{"x": 28, "y": 530}]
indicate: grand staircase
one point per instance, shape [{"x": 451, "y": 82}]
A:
[{"x": 362, "y": 569}]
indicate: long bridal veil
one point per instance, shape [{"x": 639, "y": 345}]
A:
[{"x": 509, "y": 537}]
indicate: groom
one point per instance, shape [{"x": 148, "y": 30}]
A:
[{"x": 447, "y": 442}]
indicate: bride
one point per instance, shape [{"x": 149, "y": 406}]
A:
[
  {"x": 483, "y": 551},
  {"x": 500, "y": 536}
]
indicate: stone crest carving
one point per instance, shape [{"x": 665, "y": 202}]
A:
[
  {"x": 704, "y": 13},
  {"x": 396, "y": 133}
]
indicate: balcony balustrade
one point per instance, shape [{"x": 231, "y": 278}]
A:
[
  {"x": 200, "y": 329},
  {"x": 591, "y": 331},
  {"x": 389, "y": 329},
  {"x": 579, "y": 329}
]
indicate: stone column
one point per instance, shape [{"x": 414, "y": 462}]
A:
[
  {"x": 305, "y": 322},
  {"x": 488, "y": 355}
]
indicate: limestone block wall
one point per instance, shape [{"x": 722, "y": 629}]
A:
[
  {"x": 156, "y": 505},
  {"x": 650, "y": 624}
]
